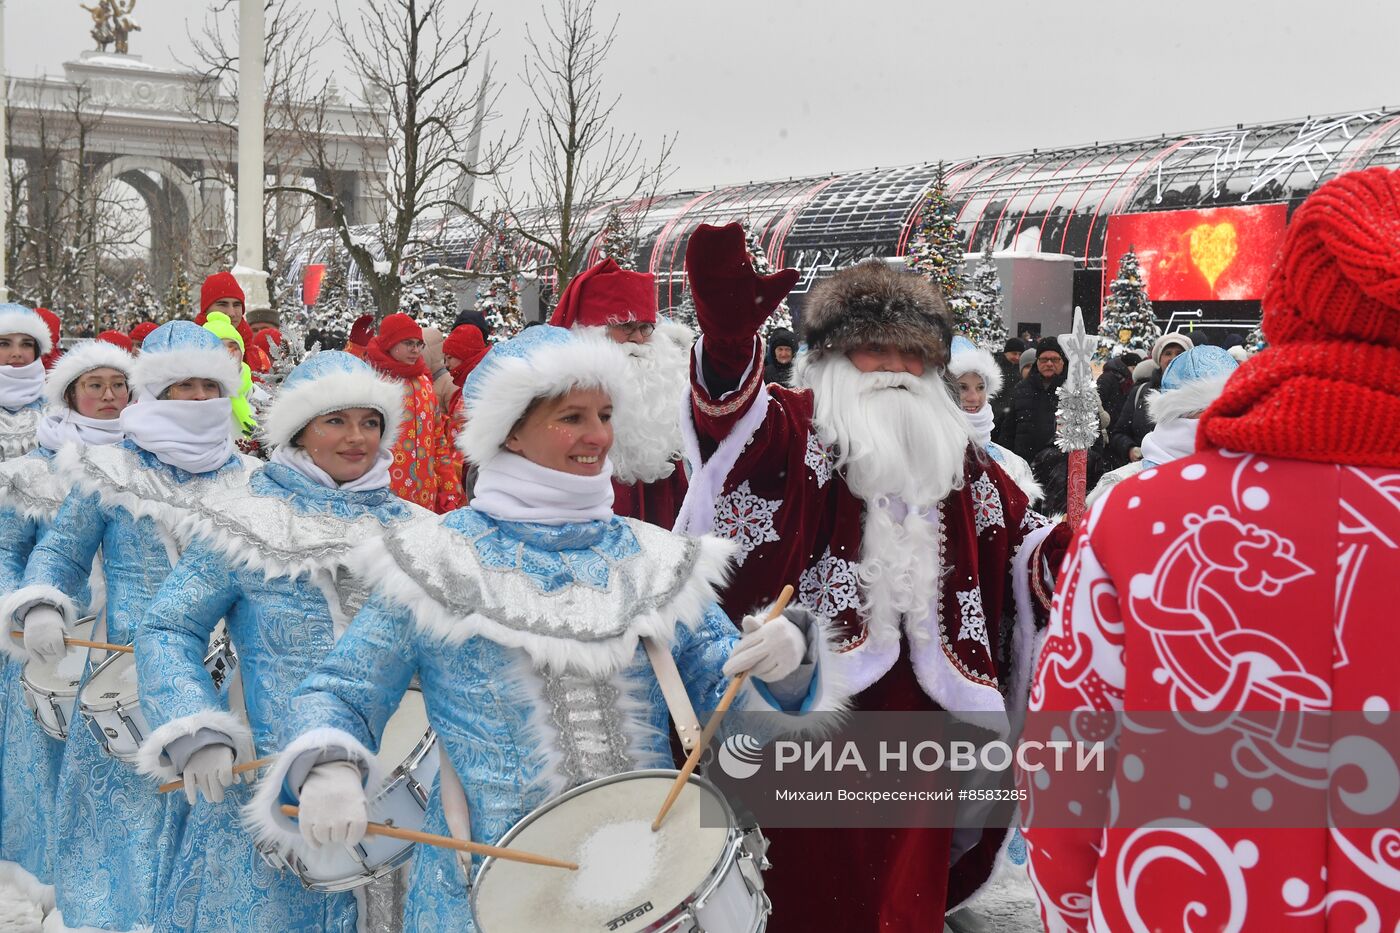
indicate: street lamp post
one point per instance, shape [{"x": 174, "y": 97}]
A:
[{"x": 249, "y": 263}]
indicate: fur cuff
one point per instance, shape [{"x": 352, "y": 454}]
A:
[
  {"x": 152, "y": 759},
  {"x": 828, "y": 697},
  {"x": 14, "y": 607},
  {"x": 263, "y": 816}
]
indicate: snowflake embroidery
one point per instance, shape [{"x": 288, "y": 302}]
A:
[
  {"x": 829, "y": 586},
  {"x": 746, "y": 519},
  {"x": 1033, "y": 520},
  {"x": 986, "y": 504},
  {"x": 818, "y": 459},
  {"x": 974, "y": 622}
]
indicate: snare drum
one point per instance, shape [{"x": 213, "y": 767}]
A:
[
  {"x": 51, "y": 688},
  {"x": 408, "y": 753},
  {"x": 111, "y": 700},
  {"x": 687, "y": 877}
]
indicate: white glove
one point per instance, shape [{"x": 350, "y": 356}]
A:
[
  {"x": 768, "y": 650},
  {"x": 208, "y": 771},
  {"x": 333, "y": 804},
  {"x": 43, "y": 634}
]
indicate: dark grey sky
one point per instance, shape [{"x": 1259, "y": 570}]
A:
[{"x": 771, "y": 88}]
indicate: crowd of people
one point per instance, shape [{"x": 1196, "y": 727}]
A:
[{"x": 567, "y": 542}]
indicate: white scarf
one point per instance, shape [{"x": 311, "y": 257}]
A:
[
  {"x": 68, "y": 427},
  {"x": 1169, "y": 441},
  {"x": 296, "y": 458},
  {"x": 194, "y": 436},
  {"x": 21, "y": 385},
  {"x": 981, "y": 423},
  {"x": 513, "y": 489}
]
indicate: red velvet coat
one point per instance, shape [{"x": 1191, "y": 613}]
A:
[
  {"x": 1223, "y": 581},
  {"x": 656, "y": 503},
  {"x": 769, "y": 485}
]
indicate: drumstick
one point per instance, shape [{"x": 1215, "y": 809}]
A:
[
  {"x": 447, "y": 842},
  {"x": 253, "y": 765},
  {"x": 716, "y": 718},
  {"x": 69, "y": 640}
]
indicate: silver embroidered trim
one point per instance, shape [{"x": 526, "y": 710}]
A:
[
  {"x": 31, "y": 487},
  {"x": 585, "y": 714},
  {"x": 17, "y": 429},
  {"x": 447, "y": 569}
]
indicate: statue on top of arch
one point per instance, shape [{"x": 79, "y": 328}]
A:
[{"x": 112, "y": 24}]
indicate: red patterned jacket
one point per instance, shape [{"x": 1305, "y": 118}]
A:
[{"x": 1223, "y": 581}]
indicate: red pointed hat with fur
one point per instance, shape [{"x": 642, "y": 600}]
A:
[{"x": 604, "y": 294}]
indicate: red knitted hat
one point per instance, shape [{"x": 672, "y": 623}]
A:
[
  {"x": 1328, "y": 387},
  {"x": 218, "y": 286},
  {"x": 465, "y": 344},
  {"x": 142, "y": 331},
  {"x": 55, "y": 331},
  {"x": 117, "y": 339},
  {"x": 605, "y": 293},
  {"x": 397, "y": 328},
  {"x": 266, "y": 338}
]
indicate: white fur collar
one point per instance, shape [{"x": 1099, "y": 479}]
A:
[
  {"x": 435, "y": 572},
  {"x": 1189, "y": 401}
]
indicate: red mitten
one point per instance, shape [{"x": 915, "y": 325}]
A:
[{"x": 731, "y": 300}]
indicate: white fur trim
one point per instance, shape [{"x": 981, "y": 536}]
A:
[
  {"x": 1024, "y": 641},
  {"x": 829, "y": 698},
  {"x": 83, "y": 358},
  {"x": 512, "y": 383},
  {"x": 1111, "y": 479},
  {"x": 263, "y": 816},
  {"x": 17, "y": 604},
  {"x": 16, "y": 882},
  {"x": 598, "y": 658},
  {"x": 1020, "y": 473},
  {"x": 295, "y": 407},
  {"x": 151, "y": 758},
  {"x": 156, "y": 372},
  {"x": 1188, "y": 401},
  {"x": 53, "y": 923},
  {"x": 28, "y": 323},
  {"x": 707, "y": 479},
  {"x": 978, "y": 361}
]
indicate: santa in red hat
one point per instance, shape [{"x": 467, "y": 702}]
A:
[
  {"x": 1257, "y": 575},
  {"x": 864, "y": 488},
  {"x": 649, "y": 482}
]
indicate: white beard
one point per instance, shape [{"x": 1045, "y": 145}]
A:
[
  {"x": 647, "y": 430},
  {"x": 894, "y": 434}
]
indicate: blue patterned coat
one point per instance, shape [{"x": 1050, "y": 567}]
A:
[
  {"x": 269, "y": 561},
  {"x": 524, "y": 639},
  {"x": 114, "y": 838}
]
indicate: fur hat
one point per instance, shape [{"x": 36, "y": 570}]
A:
[
  {"x": 17, "y": 319},
  {"x": 1166, "y": 340},
  {"x": 873, "y": 303},
  {"x": 539, "y": 362},
  {"x": 183, "y": 350},
  {"x": 969, "y": 358},
  {"x": 332, "y": 381},
  {"x": 263, "y": 316},
  {"x": 1192, "y": 381},
  {"x": 83, "y": 358}
]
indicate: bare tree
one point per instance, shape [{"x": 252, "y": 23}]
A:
[
  {"x": 66, "y": 222},
  {"x": 413, "y": 64},
  {"x": 579, "y": 160}
]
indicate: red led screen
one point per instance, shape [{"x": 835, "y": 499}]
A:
[{"x": 1221, "y": 254}]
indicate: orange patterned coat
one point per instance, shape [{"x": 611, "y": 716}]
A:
[{"x": 427, "y": 468}]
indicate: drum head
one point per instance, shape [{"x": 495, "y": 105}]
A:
[
  {"x": 64, "y": 675},
  {"x": 623, "y": 867},
  {"x": 114, "y": 681}
]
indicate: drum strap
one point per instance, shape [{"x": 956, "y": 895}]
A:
[{"x": 677, "y": 700}]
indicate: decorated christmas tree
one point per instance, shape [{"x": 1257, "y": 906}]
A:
[
  {"x": 178, "y": 303},
  {"x": 333, "y": 314},
  {"x": 936, "y": 251},
  {"x": 141, "y": 301},
  {"x": 497, "y": 297},
  {"x": 983, "y": 313},
  {"x": 1128, "y": 321},
  {"x": 781, "y": 316},
  {"x": 619, "y": 244}
]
